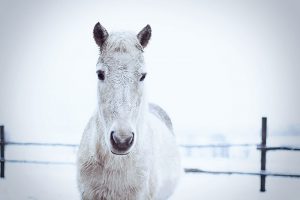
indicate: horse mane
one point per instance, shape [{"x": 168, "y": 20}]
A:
[{"x": 161, "y": 114}]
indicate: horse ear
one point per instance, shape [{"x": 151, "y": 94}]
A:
[
  {"x": 100, "y": 34},
  {"x": 144, "y": 35}
]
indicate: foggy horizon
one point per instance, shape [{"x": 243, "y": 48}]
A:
[{"x": 215, "y": 68}]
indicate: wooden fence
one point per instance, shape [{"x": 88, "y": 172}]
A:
[{"x": 262, "y": 147}]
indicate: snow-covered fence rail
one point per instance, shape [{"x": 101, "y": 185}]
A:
[
  {"x": 264, "y": 148},
  {"x": 263, "y": 173}
]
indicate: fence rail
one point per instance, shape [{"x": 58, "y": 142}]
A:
[
  {"x": 40, "y": 144},
  {"x": 287, "y": 148},
  {"x": 263, "y": 173}
]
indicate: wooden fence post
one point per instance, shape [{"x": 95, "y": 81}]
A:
[
  {"x": 263, "y": 154},
  {"x": 2, "y": 148}
]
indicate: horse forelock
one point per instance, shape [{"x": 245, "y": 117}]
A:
[
  {"x": 121, "y": 50},
  {"x": 122, "y": 42}
]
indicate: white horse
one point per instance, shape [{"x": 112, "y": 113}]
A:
[{"x": 128, "y": 149}]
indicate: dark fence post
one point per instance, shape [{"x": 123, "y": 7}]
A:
[
  {"x": 2, "y": 147},
  {"x": 263, "y": 154}
]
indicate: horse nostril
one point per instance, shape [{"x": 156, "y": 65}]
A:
[
  {"x": 121, "y": 143},
  {"x": 129, "y": 140},
  {"x": 113, "y": 138}
]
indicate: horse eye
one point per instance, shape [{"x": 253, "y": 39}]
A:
[
  {"x": 143, "y": 76},
  {"x": 101, "y": 75}
]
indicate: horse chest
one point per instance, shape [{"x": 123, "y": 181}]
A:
[{"x": 118, "y": 184}]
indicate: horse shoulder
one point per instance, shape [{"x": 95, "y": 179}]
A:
[{"x": 167, "y": 168}]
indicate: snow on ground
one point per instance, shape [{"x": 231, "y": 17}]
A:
[
  {"x": 43, "y": 182},
  {"x": 48, "y": 182}
]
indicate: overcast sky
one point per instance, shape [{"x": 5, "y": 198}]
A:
[{"x": 216, "y": 67}]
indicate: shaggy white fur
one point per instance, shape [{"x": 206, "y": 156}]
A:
[{"x": 151, "y": 167}]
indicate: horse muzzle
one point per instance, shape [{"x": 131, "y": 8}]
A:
[{"x": 121, "y": 143}]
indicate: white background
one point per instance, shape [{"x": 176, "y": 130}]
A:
[{"x": 216, "y": 67}]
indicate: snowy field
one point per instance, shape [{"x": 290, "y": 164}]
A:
[
  {"x": 39, "y": 181},
  {"x": 29, "y": 181}
]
